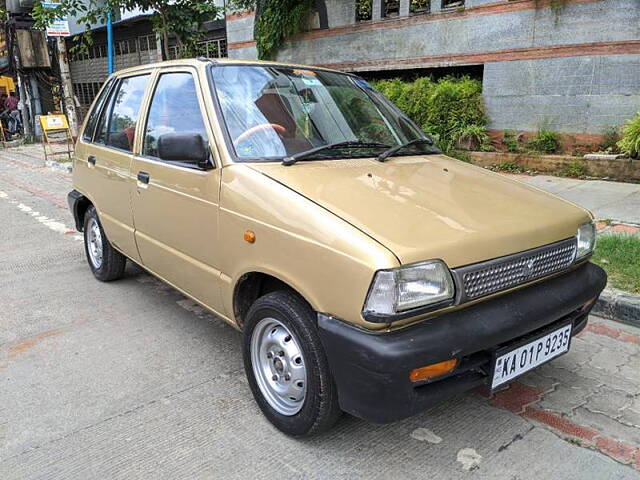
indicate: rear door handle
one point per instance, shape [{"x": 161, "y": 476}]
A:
[
  {"x": 91, "y": 159},
  {"x": 143, "y": 177}
]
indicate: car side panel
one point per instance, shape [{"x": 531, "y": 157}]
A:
[
  {"x": 106, "y": 184},
  {"x": 329, "y": 262},
  {"x": 176, "y": 216}
]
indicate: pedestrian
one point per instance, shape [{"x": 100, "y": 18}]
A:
[{"x": 11, "y": 103}]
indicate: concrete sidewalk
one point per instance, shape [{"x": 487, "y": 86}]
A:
[{"x": 615, "y": 201}]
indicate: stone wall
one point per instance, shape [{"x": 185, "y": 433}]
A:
[
  {"x": 576, "y": 70},
  {"x": 574, "y": 94}
]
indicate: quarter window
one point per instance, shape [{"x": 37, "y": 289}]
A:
[
  {"x": 174, "y": 109},
  {"x": 93, "y": 116},
  {"x": 118, "y": 123}
]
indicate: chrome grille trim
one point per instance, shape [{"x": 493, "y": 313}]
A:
[{"x": 480, "y": 279}]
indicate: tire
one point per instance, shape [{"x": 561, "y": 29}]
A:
[
  {"x": 270, "y": 320},
  {"x": 106, "y": 263}
]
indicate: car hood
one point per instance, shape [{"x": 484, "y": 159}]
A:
[{"x": 424, "y": 207}]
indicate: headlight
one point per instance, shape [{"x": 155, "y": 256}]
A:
[
  {"x": 405, "y": 288},
  {"x": 586, "y": 238}
]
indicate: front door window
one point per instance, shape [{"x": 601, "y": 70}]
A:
[{"x": 174, "y": 109}]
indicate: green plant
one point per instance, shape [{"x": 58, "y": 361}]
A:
[
  {"x": 444, "y": 108},
  {"x": 276, "y": 21},
  {"x": 610, "y": 139},
  {"x": 180, "y": 18},
  {"x": 545, "y": 141},
  {"x": 473, "y": 137},
  {"x": 363, "y": 10},
  {"x": 510, "y": 167},
  {"x": 576, "y": 169},
  {"x": 460, "y": 155},
  {"x": 630, "y": 142},
  {"x": 510, "y": 141}
]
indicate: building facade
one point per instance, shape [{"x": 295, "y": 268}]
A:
[
  {"x": 135, "y": 43},
  {"x": 570, "y": 65}
]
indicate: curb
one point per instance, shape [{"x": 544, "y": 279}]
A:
[{"x": 618, "y": 306}]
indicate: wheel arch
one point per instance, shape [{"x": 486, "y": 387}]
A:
[
  {"x": 254, "y": 284},
  {"x": 79, "y": 203}
]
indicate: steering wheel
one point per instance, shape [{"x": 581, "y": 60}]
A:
[{"x": 257, "y": 129}]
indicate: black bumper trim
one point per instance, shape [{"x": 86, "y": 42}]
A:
[{"x": 371, "y": 369}]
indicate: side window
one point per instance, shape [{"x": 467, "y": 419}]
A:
[
  {"x": 174, "y": 109},
  {"x": 118, "y": 122},
  {"x": 87, "y": 135}
]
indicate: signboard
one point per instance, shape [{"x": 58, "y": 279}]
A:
[
  {"x": 60, "y": 26},
  {"x": 54, "y": 122},
  {"x": 56, "y": 133}
]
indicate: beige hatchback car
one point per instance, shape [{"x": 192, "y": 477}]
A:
[{"x": 368, "y": 272}]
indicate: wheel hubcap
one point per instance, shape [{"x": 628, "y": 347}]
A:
[
  {"x": 278, "y": 366},
  {"x": 94, "y": 243}
]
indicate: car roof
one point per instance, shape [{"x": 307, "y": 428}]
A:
[{"x": 221, "y": 61}]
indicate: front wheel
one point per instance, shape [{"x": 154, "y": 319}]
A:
[
  {"x": 286, "y": 365},
  {"x": 106, "y": 262}
]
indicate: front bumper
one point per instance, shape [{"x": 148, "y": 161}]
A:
[{"x": 371, "y": 370}]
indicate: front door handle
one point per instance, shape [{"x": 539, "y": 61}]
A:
[
  {"x": 143, "y": 177},
  {"x": 91, "y": 159}
]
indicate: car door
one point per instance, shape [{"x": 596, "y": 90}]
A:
[
  {"x": 175, "y": 206},
  {"x": 106, "y": 159}
]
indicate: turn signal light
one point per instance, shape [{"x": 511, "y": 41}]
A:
[
  {"x": 249, "y": 236},
  {"x": 433, "y": 370}
]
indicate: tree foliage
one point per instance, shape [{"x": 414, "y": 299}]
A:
[
  {"x": 275, "y": 21},
  {"x": 181, "y": 18}
]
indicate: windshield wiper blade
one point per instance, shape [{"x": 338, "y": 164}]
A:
[
  {"x": 291, "y": 159},
  {"x": 393, "y": 150}
]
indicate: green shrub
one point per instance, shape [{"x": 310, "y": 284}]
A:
[
  {"x": 472, "y": 137},
  {"x": 510, "y": 141},
  {"x": 545, "y": 141},
  {"x": 510, "y": 167},
  {"x": 630, "y": 142},
  {"x": 574, "y": 169},
  {"x": 610, "y": 140},
  {"x": 444, "y": 108}
]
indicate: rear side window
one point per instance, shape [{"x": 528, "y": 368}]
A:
[
  {"x": 174, "y": 109},
  {"x": 118, "y": 122},
  {"x": 95, "y": 112}
]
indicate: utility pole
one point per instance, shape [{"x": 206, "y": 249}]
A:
[
  {"x": 67, "y": 86},
  {"x": 109, "y": 44}
]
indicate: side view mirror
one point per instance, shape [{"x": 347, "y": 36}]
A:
[{"x": 186, "y": 147}]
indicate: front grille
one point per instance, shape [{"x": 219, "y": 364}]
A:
[{"x": 484, "y": 278}]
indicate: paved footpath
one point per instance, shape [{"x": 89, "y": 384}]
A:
[
  {"x": 615, "y": 201},
  {"x": 132, "y": 380}
]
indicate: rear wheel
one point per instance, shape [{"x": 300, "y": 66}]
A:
[
  {"x": 106, "y": 263},
  {"x": 286, "y": 365}
]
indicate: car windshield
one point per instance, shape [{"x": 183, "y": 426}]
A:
[{"x": 272, "y": 112}]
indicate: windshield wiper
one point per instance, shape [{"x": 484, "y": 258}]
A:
[
  {"x": 291, "y": 159},
  {"x": 393, "y": 150}
]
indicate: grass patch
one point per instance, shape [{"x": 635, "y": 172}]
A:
[
  {"x": 577, "y": 169},
  {"x": 510, "y": 167},
  {"x": 619, "y": 255}
]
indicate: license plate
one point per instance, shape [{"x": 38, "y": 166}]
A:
[{"x": 515, "y": 361}]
